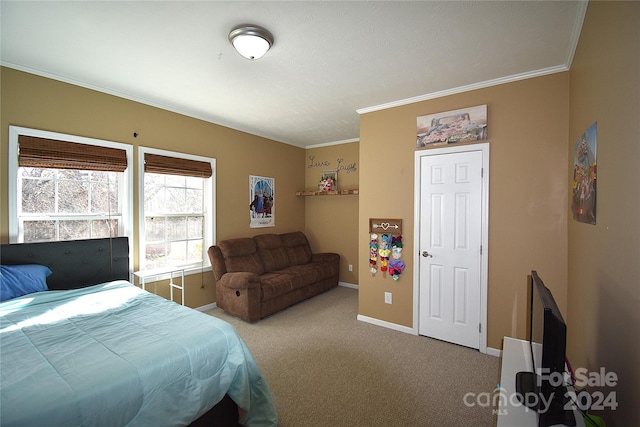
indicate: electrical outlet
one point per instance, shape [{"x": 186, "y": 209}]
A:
[
  {"x": 350, "y": 267},
  {"x": 388, "y": 299}
]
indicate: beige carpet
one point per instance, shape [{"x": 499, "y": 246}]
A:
[{"x": 327, "y": 369}]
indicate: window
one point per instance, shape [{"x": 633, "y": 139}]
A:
[
  {"x": 65, "y": 187},
  {"x": 60, "y": 204},
  {"x": 177, "y": 209}
]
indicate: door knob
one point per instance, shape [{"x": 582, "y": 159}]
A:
[{"x": 426, "y": 254}]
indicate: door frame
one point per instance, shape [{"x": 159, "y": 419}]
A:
[{"x": 484, "y": 262}]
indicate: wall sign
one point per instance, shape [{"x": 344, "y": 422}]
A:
[
  {"x": 385, "y": 225},
  {"x": 342, "y": 166},
  {"x": 385, "y": 245}
]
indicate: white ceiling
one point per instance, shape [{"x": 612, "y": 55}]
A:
[{"x": 331, "y": 60}]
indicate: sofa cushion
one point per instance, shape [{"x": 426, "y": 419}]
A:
[
  {"x": 297, "y": 247},
  {"x": 272, "y": 253},
  {"x": 284, "y": 281},
  {"x": 276, "y": 284},
  {"x": 305, "y": 274},
  {"x": 324, "y": 270},
  {"x": 241, "y": 255}
]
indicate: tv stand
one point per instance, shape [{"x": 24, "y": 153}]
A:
[{"x": 516, "y": 357}]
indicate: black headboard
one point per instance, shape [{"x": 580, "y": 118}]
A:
[{"x": 74, "y": 263}]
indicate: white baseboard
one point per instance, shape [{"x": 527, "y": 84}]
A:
[
  {"x": 494, "y": 352},
  {"x": 490, "y": 351},
  {"x": 348, "y": 285},
  {"x": 387, "y": 325},
  {"x": 207, "y": 307}
]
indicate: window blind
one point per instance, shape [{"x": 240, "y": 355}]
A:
[
  {"x": 155, "y": 163},
  {"x": 50, "y": 153}
]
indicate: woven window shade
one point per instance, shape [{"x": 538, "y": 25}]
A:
[
  {"x": 154, "y": 163},
  {"x": 50, "y": 153}
]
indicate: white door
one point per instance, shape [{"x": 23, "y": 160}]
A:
[{"x": 451, "y": 215}]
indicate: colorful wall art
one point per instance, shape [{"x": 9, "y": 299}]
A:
[
  {"x": 583, "y": 205},
  {"x": 261, "y": 202},
  {"x": 464, "y": 125}
]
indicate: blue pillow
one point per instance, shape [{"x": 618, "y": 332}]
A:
[{"x": 19, "y": 280}]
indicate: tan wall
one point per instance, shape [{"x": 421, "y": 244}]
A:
[
  {"x": 332, "y": 221},
  {"x": 41, "y": 103},
  {"x": 527, "y": 126},
  {"x": 604, "y": 259}
]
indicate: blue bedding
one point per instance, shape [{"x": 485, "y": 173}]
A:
[{"x": 114, "y": 355}]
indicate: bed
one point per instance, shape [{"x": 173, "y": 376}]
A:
[{"x": 91, "y": 349}]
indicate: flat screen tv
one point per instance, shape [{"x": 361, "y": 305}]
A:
[{"x": 543, "y": 388}]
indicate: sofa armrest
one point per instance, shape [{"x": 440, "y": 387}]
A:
[
  {"x": 240, "y": 280},
  {"x": 217, "y": 262},
  {"x": 325, "y": 257},
  {"x": 239, "y": 294}
]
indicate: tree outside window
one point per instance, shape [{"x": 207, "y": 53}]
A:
[
  {"x": 67, "y": 187},
  {"x": 177, "y": 209}
]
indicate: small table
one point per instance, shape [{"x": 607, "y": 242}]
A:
[{"x": 160, "y": 274}]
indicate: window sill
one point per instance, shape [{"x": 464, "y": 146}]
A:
[{"x": 164, "y": 273}]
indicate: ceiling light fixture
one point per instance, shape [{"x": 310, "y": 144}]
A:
[{"x": 251, "y": 41}]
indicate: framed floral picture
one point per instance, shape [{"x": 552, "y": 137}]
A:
[
  {"x": 464, "y": 125},
  {"x": 329, "y": 180}
]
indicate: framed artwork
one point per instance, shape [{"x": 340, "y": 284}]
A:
[
  {"x": 464, "y": 125},
  {"x": 261, "y": 202},
  {"x": 583, "y": 203},
  {"x": 329, "y": 180}
]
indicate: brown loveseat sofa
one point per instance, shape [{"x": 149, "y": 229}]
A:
[{"x": 258, "y": 276}]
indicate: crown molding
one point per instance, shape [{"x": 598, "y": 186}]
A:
[
  {"x": 467, "y": 88},
  {"x": 327, "y": 144}
]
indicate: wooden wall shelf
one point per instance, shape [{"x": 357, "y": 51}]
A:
[{"x": 327, "y": 193}]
